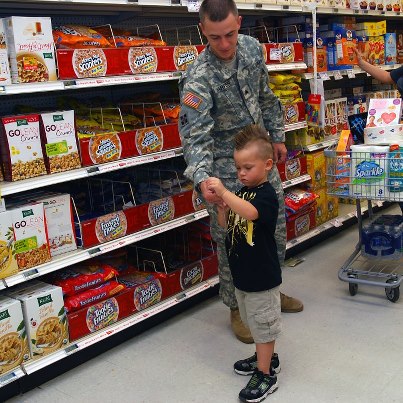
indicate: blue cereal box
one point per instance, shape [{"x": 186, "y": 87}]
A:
[{"x": 390, "y": 48}]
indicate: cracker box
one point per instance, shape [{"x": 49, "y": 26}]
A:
[
  {"x": 59, "y": 223},
  {"x": 13, "y": 337},
  {"x": 5, "y": 76},
  {"x": 30, "y": 49},
  {"x": 317, "y": 169},
  {"x": 31, "y": 238},
  {"x": 384, "y": 112},
  {"x": 59, "y": 138},
  {"x": 301, "y": 223},
  {"x": 21, "y": 148},
  {"x": 45, "y": 318},
  {"x": 8, "y": 264}
]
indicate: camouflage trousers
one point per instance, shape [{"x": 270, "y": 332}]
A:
[{"x": 227, "y": 289}]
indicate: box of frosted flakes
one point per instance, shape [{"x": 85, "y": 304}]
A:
[
  {"x": 8, "y": 264},
  {"x": 59, "y": 138},
  {"x": 13, "y": 337},
  {"x": 45, "y": 318},
  {"x": 31, "y": 49},
  {"x": 21, "y": 148},
  {"x": 30, "y": 234}
]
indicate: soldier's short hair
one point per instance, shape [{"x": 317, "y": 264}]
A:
[
  {"x": 217, "y": 10},
  {"x": 255, "y": 134}
]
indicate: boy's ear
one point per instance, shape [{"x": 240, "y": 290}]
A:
[{"x": 269, "y": 164}]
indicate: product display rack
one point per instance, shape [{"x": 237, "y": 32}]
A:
[{"x": 149, "y": 8}]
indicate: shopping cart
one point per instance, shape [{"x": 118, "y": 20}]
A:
[{"x": 371, "y": 173}]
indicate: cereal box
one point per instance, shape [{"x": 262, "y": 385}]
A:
[
  {"x": 21, "y": 148},
  {"x": 31, "y": 238},
  {"x": 317, "y": 169},
  {"x": 8, "y": 264},
  {"x": 31, "y": 49},
  {"x": 45, "y": 318},
  {"x": 59, "y": 223},
  {"x": 59, "y": 138},
  {"x": 390, "y": 48},
  {"x": 399, "y": 46},
  {"x": 13, "y": 337},
  {"x": 5, "y": 77}
]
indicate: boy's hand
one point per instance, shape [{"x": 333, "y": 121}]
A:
[{"x": 216, "y": 186}]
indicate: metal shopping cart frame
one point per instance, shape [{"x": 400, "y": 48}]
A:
[{"x": 343, "y": 181}]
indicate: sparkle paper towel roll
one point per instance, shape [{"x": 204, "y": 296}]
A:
[
  {"x": 369, "y": 171},
  {"x": 384, "y": 135}
]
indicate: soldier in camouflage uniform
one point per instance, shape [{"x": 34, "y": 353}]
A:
[{"x": 223, "y": 91}]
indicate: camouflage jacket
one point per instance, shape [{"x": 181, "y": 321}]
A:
[{"x": 216, "y": 102}]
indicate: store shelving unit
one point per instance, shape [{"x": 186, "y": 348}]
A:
[{"x": 136, "y": 8}]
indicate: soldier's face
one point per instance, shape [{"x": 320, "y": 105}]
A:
[
  {"x": 222, "y": 35},
  {"x": 252, "y": 169}
]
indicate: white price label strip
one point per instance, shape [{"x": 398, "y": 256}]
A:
[
  {"x": 194, "y": 6},
  {"x": 350, "y": 74},
  {"x": 337, "y": 75}
]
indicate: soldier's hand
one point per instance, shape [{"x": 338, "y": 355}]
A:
[
  {"x": 209, "y": 195},
  {"x": 280, "y": 152}
]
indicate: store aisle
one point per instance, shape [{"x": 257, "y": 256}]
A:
[{"x": 339, "y": 349}]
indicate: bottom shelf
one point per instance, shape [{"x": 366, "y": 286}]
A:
[{"x": 79, "y": 345}]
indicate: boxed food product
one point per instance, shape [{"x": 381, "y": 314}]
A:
[
  {"x": 330, "y": 120},
  {"x": 31, "y": 238},
  {"x": 31, "y": 49},
  {"x": 292, "y": 168},
  {"x": 21, "y": 148},
  {"x": 332, "y": 208},
  {"x": 316, "y": 165},
  {"x": 376, "y": 53},
  {"x": 399, "y": 46},
  {"x": 59, "y": 223},
  {"x": 341, "y": 114},
  {"x": 346, "y": 41},
  {"x": 5, "y": 76},
  {"x": 390, "y": 48},
  {"x": 8, "y": 264},
  {"x": 13, "y": 337},
  {"x": 384, "y": 112},
  {"x": 45, "y": 318},
  {"x": 321, "y": 207},
  {"x": 300, "y": 224},
  {"x": 59, "y": 139}
]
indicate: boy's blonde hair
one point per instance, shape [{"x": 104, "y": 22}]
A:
[{"x": 255, "y": 134}]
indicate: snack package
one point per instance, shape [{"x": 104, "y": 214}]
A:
[
  {"x": 81, "y": 278},
  {"x": 78, "y": 36},
  {"x": 298, "y": 199},
  {"x": 104, "y": 291}
]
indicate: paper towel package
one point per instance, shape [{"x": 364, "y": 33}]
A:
[
  {"x": 384, "y": 135},
  {"x": 369, "y": 171},
  {"x": 384, "y": 112}
]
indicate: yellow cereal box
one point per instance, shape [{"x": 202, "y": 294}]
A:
[
  {"x": 317, "y": 169},
  {"x": 13, "y": 337}
]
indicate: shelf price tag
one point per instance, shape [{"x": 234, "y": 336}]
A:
[
  {"x": 71, "y": 349},
  {"x": 194, "y": 6},
  {"x": 6, "y": 379},
  {"x": 324, "y": 76},
  {"x": 350, "y": 74},
  {"x": 338, "y": 75}
]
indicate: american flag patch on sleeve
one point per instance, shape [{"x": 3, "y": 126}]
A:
[{"x": 192, "y": 100}]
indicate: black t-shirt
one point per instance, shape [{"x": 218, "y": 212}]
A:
[
  {"x": 251, "y": 246},
  {"x": 397, "y": 77}
]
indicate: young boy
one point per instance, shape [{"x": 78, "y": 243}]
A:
[{"x": 250, "y": 216}]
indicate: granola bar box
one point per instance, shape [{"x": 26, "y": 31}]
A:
[
  {"x": 60, "y": 142},
  {"x": 8, "y": 264},
  {"x": 21, "y": 148},
  {"x": 31, "y": 238},
  {"x": 45, "y": 318},
  {"x": 30, "y": 49},
  {"x": 13, "y": 337}
]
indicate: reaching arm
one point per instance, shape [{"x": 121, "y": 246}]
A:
[{"x": 379, "y": 74}]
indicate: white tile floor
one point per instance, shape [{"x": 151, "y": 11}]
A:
[{"x": 339, "y": 349}]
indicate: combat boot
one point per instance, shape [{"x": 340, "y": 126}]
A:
[
  {"x": 241, "y": 332},
  {"x": 290, "y": 305}
]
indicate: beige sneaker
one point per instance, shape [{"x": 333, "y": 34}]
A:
[
  {"x": 241, "y": 332},
  {"x": 290, "y": 305}
]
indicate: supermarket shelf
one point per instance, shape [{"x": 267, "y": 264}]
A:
[
  {"x": 2, "y": 285},
  {"x": 11, "y": 376},
  {"x": 81, "y": 255},
  {"x": 318, "y": 146},
  {"x": 9, "y": 188},
  {"x": 295, "y": 126},
  {"x": 296, "y": 181},
  {"x": 79, "y": 345},
  {"x": 49, "y": 86},
  {"x": 286, "y": 66},
  {"x": 355, "y": 70}
]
